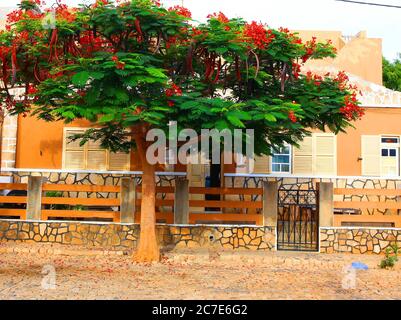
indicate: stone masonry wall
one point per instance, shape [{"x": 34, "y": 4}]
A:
[
  {"x": 358, "y": 240},
  {"x": 9, "y": 141},
  {"x": 125, "y": 236}
]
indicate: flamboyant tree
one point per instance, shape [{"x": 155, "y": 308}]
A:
[{"x": 132, "y": 66}]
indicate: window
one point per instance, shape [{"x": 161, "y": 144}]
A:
[
  {"x": 281, "y": 160},
  {"x": 91, "y": 156},
  {"x": 389, "y": 156},
  {"x": 380, "y": 155},
  {"x": 316, "y": 155}
]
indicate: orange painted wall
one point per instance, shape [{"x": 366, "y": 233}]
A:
[
  {"x": 40, "y": 143},
  {"x": 376, "y": 121}
]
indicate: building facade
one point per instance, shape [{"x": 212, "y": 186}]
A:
[{"x": 371, "y": 148}]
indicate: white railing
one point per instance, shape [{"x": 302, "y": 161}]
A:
[
  {"x": 301, "y": 176},
  {"x": 105, "y": 172}
]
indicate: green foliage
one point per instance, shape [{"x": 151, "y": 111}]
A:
[
  {"x": 56, "y": 194},
  {"x": 391, "y": 257},
  {"x": 132, "y": 67},
  {"x": 392, "y": 73}
]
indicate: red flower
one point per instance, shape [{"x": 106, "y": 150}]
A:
[
  {"x": 351, "y": 110},
  {"x": 181, "y": 11},
  {"x": 310, "y": 47},
  {"x": 220, "y": 17},
  {"x": 292, "y": 117},
  {"x": 257, "y": 34},
  {"x": 174, "y": 91},
  {"x": 296, "y": 69},
  {"x": 119, "y": 64},
  {"x": 32, "y": 89}
]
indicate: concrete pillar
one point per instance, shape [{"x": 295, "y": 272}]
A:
[
  {"x": 325, "y": 203},
  {"x": 127, "y": 200},
  {"x": 34, "y": 201},
  {"x": 181, "y": 201},
  {"x": 270, "y": 203}
]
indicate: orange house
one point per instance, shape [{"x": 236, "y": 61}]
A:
[{"x": 372, "y": 148}]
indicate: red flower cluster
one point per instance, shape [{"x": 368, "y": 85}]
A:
[
  {"x": 220, "y": 17},
  {"x": 31, "y": 89},
  {"x": 14, "y": 16},
  {"x": 173, "y": 91},
  {"x": 65, "y": 13},
  {"x": 296, "y": 69},
  {"x": 181, "y": 11},
  {"x": 310, "y": 47},
  {"x": 351, "y": 110},
  {"x": 314, "y": 77},
  {"x": 342, "y": 80},
  {"x": 119, "y": 64},
  {"x": 257, "y": 34},
  {"x": 100, "y": 3},
  {"x": 292, "y": 117}
]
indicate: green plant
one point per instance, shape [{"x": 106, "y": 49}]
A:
[
  {"x": 391, "y": 257},
  {"x": 56, "y": 194},
  {"x": 392, "y": 73},
  {"x": 79, "y": 207}
]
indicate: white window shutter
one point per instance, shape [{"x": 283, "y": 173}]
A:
[
  {"x": 303, "y": 157},
  {"x": 69, "y": 144},
  {"x": 262, "y": 164},
  {"x": 119, "y": 161},
  {"x": 325, "y": 154},
  {"x": 370, "y": 148},
  {"x": 74, "y": 160},
  {"x": 97, "y": 160}
]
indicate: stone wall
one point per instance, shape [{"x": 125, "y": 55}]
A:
[
  {"x": 358, "y": 240},
  {"x": 125, "y": 236},
  {"x": 9, "y": 142},
  {"x": 293, "y": 190}
]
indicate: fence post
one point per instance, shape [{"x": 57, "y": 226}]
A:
[
  {"x": 34, "y": 195},
  {"x": 127, "y": 200},
  {"x": 270, "y": 203},
  {"x": 181, "y": 201},
  {"x": 398, "y": 198},
  {"x": 325, "y": 203}
]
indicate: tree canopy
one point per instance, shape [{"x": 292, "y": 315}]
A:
[
  {"x": 135, "y": 62},
  {"x": 392, "y": 73},
  {"x": 131, "y": 66}
]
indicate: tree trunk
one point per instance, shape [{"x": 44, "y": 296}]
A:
[{"x": 148, "y": 249}]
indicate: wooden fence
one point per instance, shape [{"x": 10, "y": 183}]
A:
[
  {"x": 39, "y": 200},
  {"x": 357, "y": 201}
]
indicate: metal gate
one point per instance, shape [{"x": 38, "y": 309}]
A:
[{"x": 297, "y": 221}]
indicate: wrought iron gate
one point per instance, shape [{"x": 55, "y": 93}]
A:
[{"x": 297, "y": 221}]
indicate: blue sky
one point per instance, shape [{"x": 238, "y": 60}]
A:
[{"x": 379, "y": 22}]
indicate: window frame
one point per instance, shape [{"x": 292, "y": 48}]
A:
[
  {"x": 281, "y": 163},
  {"x": 388, "y": 146},
  {"x": 86, "y": 150}
]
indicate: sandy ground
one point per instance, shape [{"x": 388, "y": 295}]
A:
[{"x": 26, "y": 272}]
